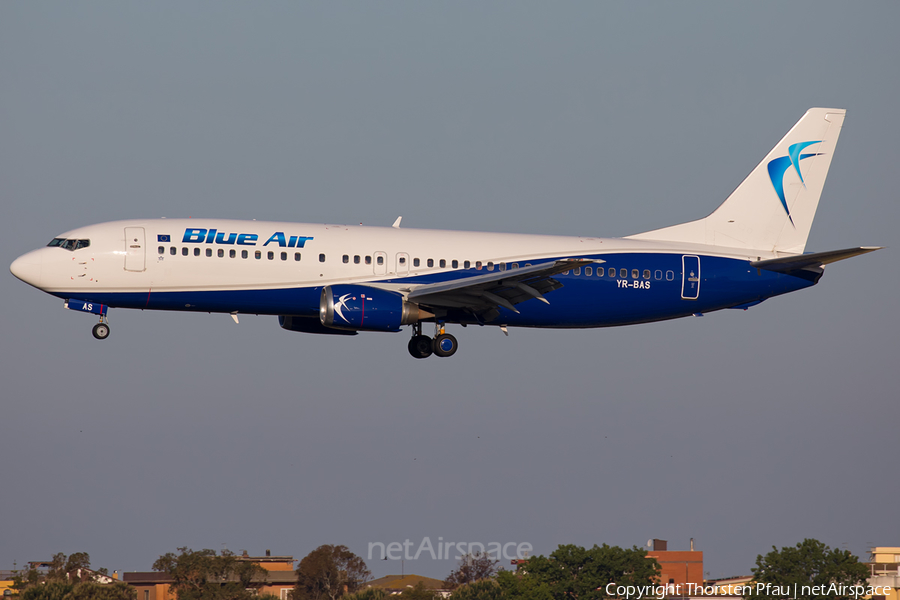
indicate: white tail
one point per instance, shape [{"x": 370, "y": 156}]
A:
[{"x": 774, "y": 207}]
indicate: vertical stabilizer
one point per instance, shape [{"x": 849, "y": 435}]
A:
[{"x": 774, "y": 207}]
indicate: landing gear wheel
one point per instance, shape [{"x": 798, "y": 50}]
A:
[
  {"x": 445, "y": 345},
  {"x": 420, "y": 346},
  {"x": 100, "y": 331}
]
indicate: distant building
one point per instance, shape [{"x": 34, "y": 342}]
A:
[
  {"x": 678, "y": 567},
  {"x": 280, "y": 579},
  {"x": 884, "y": 569}
]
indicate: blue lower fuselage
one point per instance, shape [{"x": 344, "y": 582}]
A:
[{"x": 634, "y": 288}]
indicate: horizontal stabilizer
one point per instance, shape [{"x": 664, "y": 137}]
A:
[{"x": 787, "y": 264}]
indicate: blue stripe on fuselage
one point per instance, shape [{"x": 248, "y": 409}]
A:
[{"x": 583, "y": 301}]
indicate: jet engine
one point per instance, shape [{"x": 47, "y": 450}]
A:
[
  {"x": 364, "y": 308},
  {"x": 309, "y": 325}
]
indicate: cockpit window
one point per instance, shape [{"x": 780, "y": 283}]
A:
[{"x": 70, "y": 245}]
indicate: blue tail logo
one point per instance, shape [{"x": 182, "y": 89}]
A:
[{"x": 779, "y": 166}]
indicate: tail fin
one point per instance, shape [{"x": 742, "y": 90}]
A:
[{"x": 774, "y": 207}]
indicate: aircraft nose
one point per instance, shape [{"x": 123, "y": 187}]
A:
[{"x": 28, "y": 268}]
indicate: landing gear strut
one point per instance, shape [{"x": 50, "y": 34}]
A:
[
  {"x": 101, "y": 330},
  {"x": 422, "y": 346}
]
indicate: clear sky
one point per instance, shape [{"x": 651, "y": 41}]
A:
[{"x": 740, "y": 429}]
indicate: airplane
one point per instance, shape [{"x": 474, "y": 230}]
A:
[{"x": 341, "y": 280}]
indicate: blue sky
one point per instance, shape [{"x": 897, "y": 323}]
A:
[{"x": 740, "y": 429}]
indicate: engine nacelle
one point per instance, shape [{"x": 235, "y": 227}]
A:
[
  {"x": 309, "y": 325},
  {"x": 364, "y": 308}
]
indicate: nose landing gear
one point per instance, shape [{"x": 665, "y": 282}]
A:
[
  {"x": 101, "y": 330},
  {"x": 422, "y": 346}
]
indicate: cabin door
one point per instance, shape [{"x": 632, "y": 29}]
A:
[
  {"x": 690, "y": 277},
  {"x": 134, "y": 249}
]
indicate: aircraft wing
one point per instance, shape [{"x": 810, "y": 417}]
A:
[{"x": 503, "y": 288}]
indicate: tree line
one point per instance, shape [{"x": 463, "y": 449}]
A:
[{"x": 333, "y": 572}]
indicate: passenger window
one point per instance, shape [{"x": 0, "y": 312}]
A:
[
  {"x": 623, "y": 273},
  {"x": 162, "y": 250},
  {"x": 270, "y": 255},
  {"x": 477, "y": 265},
  {"x": 173, "y": 251},
  {"x": 321, "y": 258},
  {"x": 196, "y": 251},
  {"x": 209, "y": 252},
  {"x": 415, "y": 262},
  {"x": 297, "y": 257},
  {"x": 402, "y": 260},
  {"x": 232, "y": 253},
  {"x": 430, "y": 262},
  {"x": 527, "y": 264},
  {"x": 657, "y": 275},
  {"x": 221, "y": 253},
  {"x": 244, "y": 254},
  {"x": 345, "y": 259},
  {"x": 577, "y": 270},
  {"x": 356, "y": 259},
  {"x": 368, "y": 260},
  {"x": 443, "y": 263},
  {"x": 490, "y": 266},
  {"x": 258, "y": 255},
  {"x": 502, "y": 266},
  {"x": 635, "y": 274},
  {"x": 467, "y": 265},
  {"x": 455, "y": 264},
  {"x": 565, "y": 272},
  {"x": 588, "y": 271},
  {"x": 380, "y": 260},
  {"x": 284, "y": 256},
  {"x": 184, "y": 251},
  {"x": 670, "y": 275},
  {"x": 600, "y": 271},
  {"x": 515, "y": 265},
  {"x": 646, "y": 273}
]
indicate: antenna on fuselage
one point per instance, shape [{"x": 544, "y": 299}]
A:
[{"x": 396, "y": 224}]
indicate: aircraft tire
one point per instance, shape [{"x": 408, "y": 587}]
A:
[
  {"x": 445, "y": 345},
  {"x": 100, "y": 331},
  {"x": 420, "y": 346}
]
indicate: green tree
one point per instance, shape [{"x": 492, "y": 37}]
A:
[
  {"x": 519, "y": 586},
  {"x": 485, "y": 589},
  {"x": 472, "y": 567},
  {"x": 367, "y": 594},
  {"x": 418, "y": 592},
  {"x": 205, "y": 575},
  {"x": 26, "y": 579},
  {"x": 575, "y": 573},
  {"x": 329, "y": 572},
  {"x": 57, "y": 570},
  {"x": 91, "y": 590},
  {"x": 810, "y": 563},
  {"x": 53, "y": 590}
]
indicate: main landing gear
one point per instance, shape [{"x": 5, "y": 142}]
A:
[
  {"x": 101, "y": 330},
  {"x": 422, "y": 346}
]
